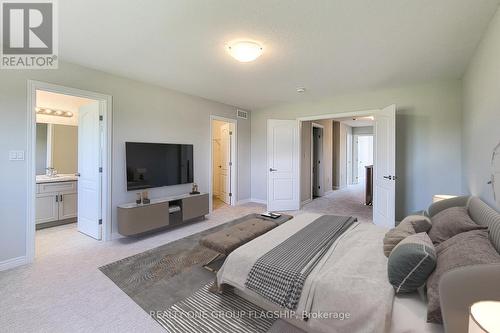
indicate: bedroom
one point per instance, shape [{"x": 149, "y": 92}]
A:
[{"x": 346, "y": 56}]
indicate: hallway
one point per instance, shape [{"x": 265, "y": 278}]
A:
[{"x": 347, "y": 201}]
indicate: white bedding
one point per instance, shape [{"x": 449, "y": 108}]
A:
[{"x": 350, "y": 279}]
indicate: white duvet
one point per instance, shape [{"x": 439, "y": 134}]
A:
[{"x": 348, "y": 291}]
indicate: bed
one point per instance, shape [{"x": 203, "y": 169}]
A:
[{"x": 350, "y": 279}]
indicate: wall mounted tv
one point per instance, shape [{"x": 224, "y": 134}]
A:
[{"x": 158, "y": 164}]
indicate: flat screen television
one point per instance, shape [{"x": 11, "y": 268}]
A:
[{"x": 158, "y": 164}]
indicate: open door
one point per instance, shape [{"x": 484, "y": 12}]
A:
[
  {"x": 89, "y": 163},
  {"x": 384, "y": 183},
  {"x": 226, "y": 162},
  {"x": 283, "y": 165}
]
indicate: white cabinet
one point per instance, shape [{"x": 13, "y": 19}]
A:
[
  {"x": 47, "y": 208},
  {"x": 56, "y": 201},
  {"x": 67, "y": 206}
]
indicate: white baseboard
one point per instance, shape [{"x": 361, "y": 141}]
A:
[
  {"x": 244, "y": 201},
  {"x": 12, "y": 263}
]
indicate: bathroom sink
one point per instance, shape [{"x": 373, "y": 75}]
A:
[{"x": 56, "y": 178}]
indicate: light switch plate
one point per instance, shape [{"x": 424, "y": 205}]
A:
[{"x": 16, "y": 155}]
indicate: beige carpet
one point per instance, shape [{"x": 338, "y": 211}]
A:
[
  {"x": 348, "y": 201},
  {"x": 64, "y": 291}
]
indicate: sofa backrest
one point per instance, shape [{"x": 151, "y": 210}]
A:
[{"x": 483, "y": 214}]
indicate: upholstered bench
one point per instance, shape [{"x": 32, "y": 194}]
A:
[{"x": 229, "y": 239}]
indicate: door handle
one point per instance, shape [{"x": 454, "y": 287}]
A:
[
  {"x": 78, "y": 174},
  {"x": 61, "y": 198},
  {"x": 271, "y": 169},
  {"x": 388, "y": 177}
]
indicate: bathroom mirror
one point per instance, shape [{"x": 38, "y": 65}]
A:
[{"x": 56, "y": 147}]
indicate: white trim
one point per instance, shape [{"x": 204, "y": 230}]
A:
[
  {"x": 234, "y": 168},
  {"x": 339, "y": 115},
  {"x": 12, "y": 263},
  {"x": 259, "y": 201},
  {"x": 245, "y": 201},
  {"x": 106, "y": 105}
]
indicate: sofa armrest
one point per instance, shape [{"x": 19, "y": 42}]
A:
[
  {"x": 448, "y": 203},
  {"x": 462, "y": 287}
]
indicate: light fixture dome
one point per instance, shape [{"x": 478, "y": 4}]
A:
[{"x": 245, "y": 51}]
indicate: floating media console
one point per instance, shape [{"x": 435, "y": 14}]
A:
[{"x": 134, "y": 219}]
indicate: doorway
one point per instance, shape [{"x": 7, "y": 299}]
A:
[
  {"x": 362, "y": 155},
  {"x": 69, "y": 154},
  {"x": 223, "y": 165},
  {"x": 317, "y": 158}
]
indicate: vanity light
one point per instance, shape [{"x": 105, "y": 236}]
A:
[
  {"x": 245, "y": 51},
  {"x": 52, "y": 112}
]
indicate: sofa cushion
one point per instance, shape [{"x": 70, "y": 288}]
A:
[
  {"x": 450, "y": 222},
  {"x": 465, "y": 249},
  {"x": 411, "y": 262},
  {"x": 410, "y": 225}
]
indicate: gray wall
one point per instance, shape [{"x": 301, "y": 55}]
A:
[
  {"x": 41, "y": 149},
  {"x": 481, "y": 114},
  {"x": 428, "y": 138},
  {"x": 141, "y": 112}
]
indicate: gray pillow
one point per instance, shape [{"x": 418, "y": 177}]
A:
[
  {"x": 451, "y": 222},
  {"x": 409, "y": 226},
  {"x": 465, "y": 249},
  {"x": 411, "y": 262}
]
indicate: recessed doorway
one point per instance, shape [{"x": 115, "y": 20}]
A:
[
  {"x": 70, "y": 171},
  {"x": 223, "y": 165}
]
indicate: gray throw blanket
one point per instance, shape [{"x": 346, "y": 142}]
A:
[{"x": 279, "y": 275}]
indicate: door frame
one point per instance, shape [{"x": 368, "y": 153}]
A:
[
  {"x": 106, "y": 110},
  {"x": 234, "y": 157},
  {"x": 360, "y": 113},
  {"x": 322, "y": 177}
]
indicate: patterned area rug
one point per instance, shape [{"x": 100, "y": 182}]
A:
[
  {"x": 207, "y": 312},
  {"x": 162, "y": 281}
]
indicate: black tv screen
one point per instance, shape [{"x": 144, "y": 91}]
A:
[{"x": 158, "y": 164}]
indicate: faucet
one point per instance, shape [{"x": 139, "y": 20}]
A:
[{"x": 51, "y": 172}]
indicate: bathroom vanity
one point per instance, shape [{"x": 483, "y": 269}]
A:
[{"x": 56, "y": 200}]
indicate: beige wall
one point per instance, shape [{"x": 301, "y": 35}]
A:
[
  {"x": 428, "y": 137},
  {"x": 481, "y": 116},
  {"x": 65, "y": 148},
  {"x": 141, "y": 112}
]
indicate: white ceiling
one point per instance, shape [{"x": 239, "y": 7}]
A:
[{"x": 328, "y": 46}]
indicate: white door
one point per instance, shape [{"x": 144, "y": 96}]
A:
[
  {"x": 225, "y": 167},
  {"x": 89, "y": 162},
  {"x": 282, "y": 165},
  {"x": 384, "y": 182}
]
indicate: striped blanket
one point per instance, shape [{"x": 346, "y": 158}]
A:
[{"x": 279, "y": 275}]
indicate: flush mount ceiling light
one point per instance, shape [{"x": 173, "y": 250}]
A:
[
  {"x": 301, "y": 90},
  {"x": 245, "y": 51},
  {"x": 53, "y": 112}
]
